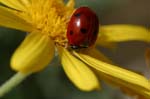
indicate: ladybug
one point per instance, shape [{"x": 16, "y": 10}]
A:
[{"x": 82, "y": 28}]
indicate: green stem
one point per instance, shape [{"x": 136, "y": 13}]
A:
[{"x": 12, "y": 82}]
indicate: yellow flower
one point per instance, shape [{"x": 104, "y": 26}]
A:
[{"x": 45, "y": 21}]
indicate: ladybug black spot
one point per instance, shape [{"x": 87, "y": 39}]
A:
[
  {"x": 95, "y": 32},
  {"x": 83, "y": 30},
  {"x": 71, "y": 32},
  {"x": 77, "y": 15}
]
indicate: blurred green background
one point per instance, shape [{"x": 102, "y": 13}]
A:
[{"x": 52, "y": 83}]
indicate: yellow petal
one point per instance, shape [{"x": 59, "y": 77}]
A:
[
  {"x": 71, "y": 3},
  {"x": 118, "y": 75},
  {"x": 132, "y": 93},
  {"x": 79, "y": 73},
  {"x": 16, "y": 4},
  {"x": 34, "y": 53},
  {"x": 93, "y": 52},
  {"x": 11, "y": 20},
  {"x": 122, "y": 33},
  {"x": 69, "y": 8},
  {"x": 102, "y": 42},
  {"x": 25, "y": 2}
]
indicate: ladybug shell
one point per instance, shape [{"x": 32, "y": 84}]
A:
[{"x": 83, "y": 28}]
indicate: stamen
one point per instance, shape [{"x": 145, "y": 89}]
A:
[{"x": 50, "y": 19}]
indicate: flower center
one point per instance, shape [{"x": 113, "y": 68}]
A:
[{"x": 50, "y": 18}]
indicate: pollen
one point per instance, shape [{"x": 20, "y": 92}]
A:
[{"x": 50, "y": 17}]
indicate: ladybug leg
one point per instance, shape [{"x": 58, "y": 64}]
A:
[
  {"x": 85, "y": 44},
  {"x": 74, "y": 47}
]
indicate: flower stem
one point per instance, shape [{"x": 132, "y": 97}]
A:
[{"x": 12, "y": 82}]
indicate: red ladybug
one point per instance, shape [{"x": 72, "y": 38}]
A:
[{"x": 83, "y": 28}]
